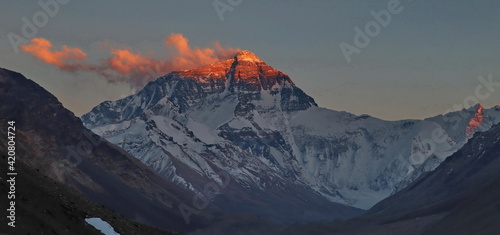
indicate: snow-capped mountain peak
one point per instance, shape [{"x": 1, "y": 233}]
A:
[{"x": 249, "y": 119}]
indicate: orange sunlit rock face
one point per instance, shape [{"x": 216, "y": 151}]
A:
[
  {"x": 214, "y": 71},
  {"x": 475, "y": 122},
  {"x": 245, "y": 68},
  {"x": 251, "y": 70}
]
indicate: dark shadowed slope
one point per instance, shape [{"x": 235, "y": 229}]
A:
[
  {"x": 45, "y": 135},
  {"x": 45, "y": 206}
]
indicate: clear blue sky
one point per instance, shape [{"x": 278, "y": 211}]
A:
[{"x": 425, "y": 60}]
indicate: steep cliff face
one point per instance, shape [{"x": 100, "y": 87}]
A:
[{"x": 249, "y": 119}]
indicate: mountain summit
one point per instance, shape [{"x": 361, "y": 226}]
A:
[
  {"x": 247, "y": 56},
  {"x": 244, "y": 69},
  {"x": 243, "y": 79}
]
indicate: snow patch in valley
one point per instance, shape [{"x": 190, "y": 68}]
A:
[{"x": 102, "y": 226}]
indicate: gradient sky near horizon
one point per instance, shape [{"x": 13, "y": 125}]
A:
[{"x": 426, "y": 61}]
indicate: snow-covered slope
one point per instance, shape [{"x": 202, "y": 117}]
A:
[{"x": 248, "y": 119}]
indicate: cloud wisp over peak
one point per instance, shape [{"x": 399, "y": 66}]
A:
[{"x": 126, "y": 65}]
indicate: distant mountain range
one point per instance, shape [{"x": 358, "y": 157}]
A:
[{"x": 248, "y": 119}]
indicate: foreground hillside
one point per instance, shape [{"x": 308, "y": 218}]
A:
[{"x": 45, "y": 206}]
